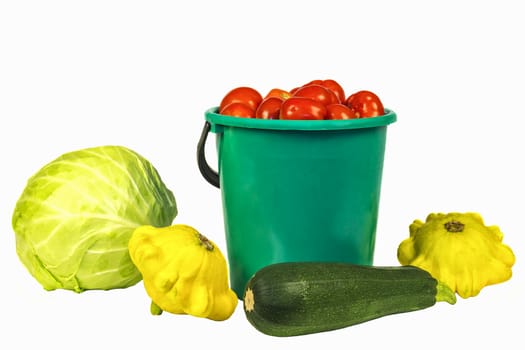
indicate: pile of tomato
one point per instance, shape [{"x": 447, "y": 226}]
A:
[{"x": 315, "y": 100}]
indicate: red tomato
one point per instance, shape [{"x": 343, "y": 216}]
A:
[
  {"x": 336, "y": 88},
  {"x": 331, "y": 85},
  {"x": 279, "y": 93},
  {"x": 314, "y": 82},
  {"x": 365, "y": 104},
  {"x": 297, "y": 108},
  {"x": 238, "y": 109},
  {"x": 269, "y": 108},
  {"x": 292, "y": 91},
  {"x": 340, "y": 111},
  {"x": 318, "y": 93},
  {"x": 243, "y": 94}
]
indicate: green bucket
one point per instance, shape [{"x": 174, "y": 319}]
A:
[{"x": 296, "y": 190}]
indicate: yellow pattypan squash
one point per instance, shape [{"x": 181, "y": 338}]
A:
[
  {"x": 458, "y": 250},
  {"x": 183, "y": 272}
]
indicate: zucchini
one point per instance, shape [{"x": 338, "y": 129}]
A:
[{"x": 297, "y": 298}]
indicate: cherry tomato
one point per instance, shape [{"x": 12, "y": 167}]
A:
[
  {"x": 365, "y": 104},
  {"x": 331, "y": 85},
  {"x": 340, "y": 111},
  {"x": 279, "y": 93},
  {"x": 318, "y": 93},
  {"x": 238, "y": 109},
  {"x": 336, "y": 88},
  {"x": 243, "y": 94},
  {"x": 298, "y": 108},
  {"x": 292, "y": 91},
  {"x": 314, "y": 82},
  {"x": 269, "y": 108}
]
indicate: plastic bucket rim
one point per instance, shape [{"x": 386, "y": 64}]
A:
[{"x": 216, "y": 119}]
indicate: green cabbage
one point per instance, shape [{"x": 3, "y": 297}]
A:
[{"x": 74, "y": 219}]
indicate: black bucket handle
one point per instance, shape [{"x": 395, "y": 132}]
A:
[{"x": 207, "y": 172}]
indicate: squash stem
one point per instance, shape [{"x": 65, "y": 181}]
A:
[
  {"x": 155, "y": 309},
  {"x": 454, "y": 226},
  {"x": 444, "y": 293},
  {"x": 206, "y": 242}
]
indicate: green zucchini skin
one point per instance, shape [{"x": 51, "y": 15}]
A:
[{"x": 290, "y": 299}]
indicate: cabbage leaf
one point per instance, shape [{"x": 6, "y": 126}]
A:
[{"x": 74, "y": 219}]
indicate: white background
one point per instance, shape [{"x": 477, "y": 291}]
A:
[{"x": 140, "y": 74}]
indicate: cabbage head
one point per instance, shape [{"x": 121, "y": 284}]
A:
[{"x": 74, "y": 219}]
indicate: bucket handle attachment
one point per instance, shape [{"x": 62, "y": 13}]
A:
[{"x": 207, "y": 172}]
